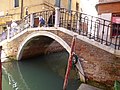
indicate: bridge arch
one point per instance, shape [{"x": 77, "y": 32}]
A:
[{"x": 41, "y": 33}]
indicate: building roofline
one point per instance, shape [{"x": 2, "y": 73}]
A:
[
  {"x": 108, "y": 2},
  {"x": 103, "y": 3}
]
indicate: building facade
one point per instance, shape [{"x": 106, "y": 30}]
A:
[
  {"x": 16, "y": 9},
  {"x": 110, "y": 10}
]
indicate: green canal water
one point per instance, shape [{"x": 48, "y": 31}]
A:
[{"x": 39, "y": 73}]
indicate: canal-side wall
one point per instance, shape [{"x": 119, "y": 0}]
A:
[{"x": 99, "y": 65}]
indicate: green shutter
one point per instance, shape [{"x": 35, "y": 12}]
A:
[
  {"x": 69, "y": 5},
  {"x": 57, "y": 3},
  {"x": 16, "y": 3}
]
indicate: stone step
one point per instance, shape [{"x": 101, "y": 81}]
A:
[{"x": 87, "y": 87}]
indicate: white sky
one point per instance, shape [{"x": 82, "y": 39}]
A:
[{"x": 88, "y": 7}]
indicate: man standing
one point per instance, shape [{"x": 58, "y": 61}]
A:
[
  {"x": 13, "y": 28},
  {"x": 41, "y": 21}
]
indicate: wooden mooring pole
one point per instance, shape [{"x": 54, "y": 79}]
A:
[{"x": 69, "y": 66}]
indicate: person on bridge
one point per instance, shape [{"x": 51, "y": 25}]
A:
[
  {"x": 51, "y": 20},
  {"x": 4, "y": 34},
  {"x": 14, "y": 28},
  {"x": 41, "y": 21}
]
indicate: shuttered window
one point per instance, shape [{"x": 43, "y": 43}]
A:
[
  {"x": 77, "y": 6},
  {"x": 57, "y": 3},
  {"x": 69, "y": 5},
  {"x": 16, "y": 3}
]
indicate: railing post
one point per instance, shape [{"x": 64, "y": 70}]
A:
[
  {"x": 8, "y": 33},
  {"x": 57, "y": 16},
  {"x": 78, "y": 25},
  {"x": 31, "y": 20}
]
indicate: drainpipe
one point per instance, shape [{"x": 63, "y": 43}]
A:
[
  {"x": 57, "y": 16},
  {"x": 21, "y": 15}
]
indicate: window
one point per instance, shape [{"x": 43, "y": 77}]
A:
[
  {"x": 57, "y": 3},
  {"x": 115, "y": 29},
  {"x": 69, "y": 5},
  {"x": 116, "y": 24},
  {"x": 77, "y": 6},
  {"x": 16, "y": 3}
]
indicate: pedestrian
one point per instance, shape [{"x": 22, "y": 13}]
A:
[
  {"x": 4, "y": 34},
  {"x": 51, "y": 20},
  {"x": 26, "y": 11},
  {"x": 14, "y": 27},
  {"x": 41, "y": 21}
]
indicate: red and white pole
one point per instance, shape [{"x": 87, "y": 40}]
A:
[{"x": 69, "y": 66}]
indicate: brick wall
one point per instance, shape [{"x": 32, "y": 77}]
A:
[{"x": 99, "y": 65}]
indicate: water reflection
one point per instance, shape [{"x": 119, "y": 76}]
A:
[{"x": 40, "y": 73}]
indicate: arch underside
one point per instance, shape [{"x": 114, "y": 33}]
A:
[{"x": 52, "y": 38}]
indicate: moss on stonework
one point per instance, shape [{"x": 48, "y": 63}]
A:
[{"x": 12, "y": 58}]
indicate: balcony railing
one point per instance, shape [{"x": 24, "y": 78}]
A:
[{"x": 94, "y": 28}]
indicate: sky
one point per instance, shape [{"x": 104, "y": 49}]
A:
[{"x": 88, "y": 7}]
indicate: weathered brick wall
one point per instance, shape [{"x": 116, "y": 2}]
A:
[
  {"x": 99, "y": 65},
  {"x": 11, "y": 48}
]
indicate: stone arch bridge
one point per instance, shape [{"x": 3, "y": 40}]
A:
[{"x": 35, "y": 41}]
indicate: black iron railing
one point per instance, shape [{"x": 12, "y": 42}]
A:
[
  {"x": 92, "y": 27},
  {"x": 48, "y": 16},
  {"x": 95, "y": 28}
]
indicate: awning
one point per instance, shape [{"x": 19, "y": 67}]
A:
[{"x": 116, "y": 20}]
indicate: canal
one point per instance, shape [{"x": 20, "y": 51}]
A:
[{"x": 45, "y": 72}]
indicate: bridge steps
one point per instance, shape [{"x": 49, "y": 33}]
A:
[{"x": 87, "y": 87}]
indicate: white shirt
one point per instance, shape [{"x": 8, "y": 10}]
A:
[{"x": 14, "y": 25}]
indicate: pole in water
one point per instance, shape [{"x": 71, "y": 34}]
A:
[
  {"x": 69, "y": 66},
  {"x": 0, "y": 69}
]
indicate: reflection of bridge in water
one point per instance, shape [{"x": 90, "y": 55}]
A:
[
  {"x": 93, "y": 36},
  {"x": 11, "y": 78},
  {"x": 38, "y": 73}
]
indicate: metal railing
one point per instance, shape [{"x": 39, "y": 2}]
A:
[
  {"x": 11, "y": 32},
  {"x": 48, "y": 16},
  {"x": 94, "y": 28}
]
